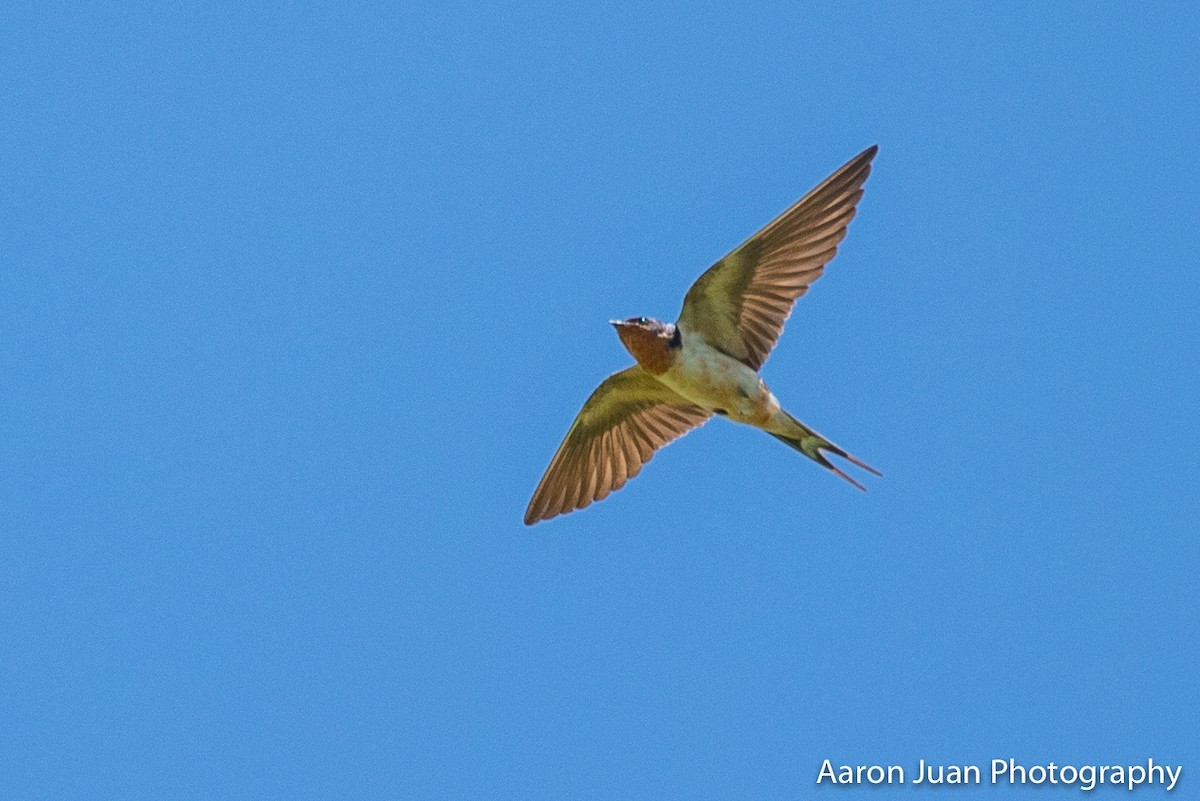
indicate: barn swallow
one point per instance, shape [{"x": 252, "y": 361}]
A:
[{"x": 707, "y": 362}]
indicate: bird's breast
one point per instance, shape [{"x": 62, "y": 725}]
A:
[{"x": 715, "y": 381}]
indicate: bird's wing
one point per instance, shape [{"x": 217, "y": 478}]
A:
[
  {"x": 739, "y": 305},
  {"x": 629, "y": 416}
]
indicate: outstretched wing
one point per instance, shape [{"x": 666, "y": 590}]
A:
[
  {"x": 629, "y": 416},
  {"x": 739, "y": 305}
]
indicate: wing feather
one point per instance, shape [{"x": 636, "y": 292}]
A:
[
  {"x": 629, "y": 416},
  {"x": 740, "y": 304}
]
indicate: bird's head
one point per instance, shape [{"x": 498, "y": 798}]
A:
[{"x": 652, "y": 342}]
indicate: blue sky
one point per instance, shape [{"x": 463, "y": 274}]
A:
[{"x": 298, "y": 302}]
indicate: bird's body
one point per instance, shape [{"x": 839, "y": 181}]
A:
[
  {"x": 707, "y": 362},
  {"x": 719, "y": 383}
]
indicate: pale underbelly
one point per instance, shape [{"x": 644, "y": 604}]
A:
[{"x": 724, "y": 386}]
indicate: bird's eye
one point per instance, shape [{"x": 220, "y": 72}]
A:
[{"x": 642, "y": 320}]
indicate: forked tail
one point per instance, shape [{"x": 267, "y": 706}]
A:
[{"x": 811, "y": 444}]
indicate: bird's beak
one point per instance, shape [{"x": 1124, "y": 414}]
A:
[{"x": 616, "y": 323}]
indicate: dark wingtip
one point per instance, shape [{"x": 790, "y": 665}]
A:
[{"x": 861, "y": 162}]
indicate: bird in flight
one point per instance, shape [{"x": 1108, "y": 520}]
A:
[{"x": 707, "y": 362}]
